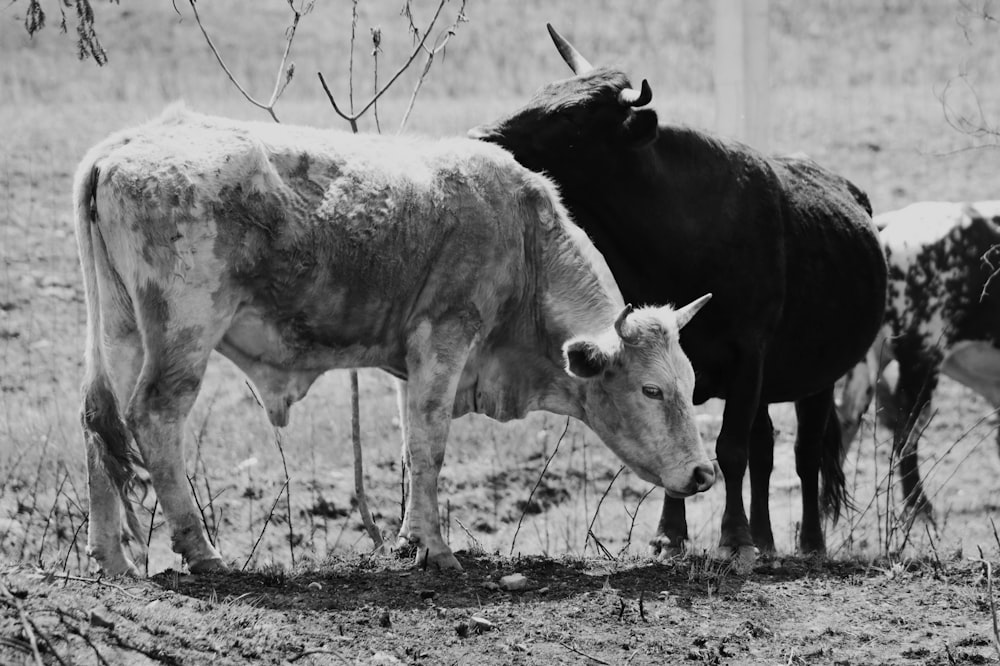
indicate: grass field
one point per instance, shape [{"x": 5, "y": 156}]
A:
[{"x": 858, "y": 85}]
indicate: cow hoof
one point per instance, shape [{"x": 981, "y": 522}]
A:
[
  {"x": 210, "y": 565},
  {"x": 662, "y": 548},
  {"x": 119, "y": 565},
  {"x": 443, "y": 561},
  {"x": 125, "y": 569},
  {"x": 742, "y": 557}
]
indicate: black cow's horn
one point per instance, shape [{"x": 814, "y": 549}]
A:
[
  {"x": 633, "y": 97},
  {"x": 576, "y": 62},
  {"x": 627, "y": 333}
]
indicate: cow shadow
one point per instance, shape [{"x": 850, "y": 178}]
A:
[{"x": 359, "y": 583}]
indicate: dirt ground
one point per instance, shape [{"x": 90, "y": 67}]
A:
[
  {"x": 877, "y": 91},
  {"x": 692, "y": 610}
]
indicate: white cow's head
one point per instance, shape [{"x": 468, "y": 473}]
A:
[{"x": 639, "y": 396}]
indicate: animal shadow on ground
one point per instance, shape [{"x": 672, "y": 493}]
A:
[{"x": 344, "y": 585}]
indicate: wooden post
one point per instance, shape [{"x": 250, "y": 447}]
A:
[{"x": 741, "y": 71}]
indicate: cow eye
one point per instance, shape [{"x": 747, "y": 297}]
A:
[{"x": 653, "y": 392}]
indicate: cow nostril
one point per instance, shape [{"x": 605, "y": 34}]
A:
[{"x": 704, "y": 477}]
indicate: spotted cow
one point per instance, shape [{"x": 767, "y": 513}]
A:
[
  {"x": 294, "y": 250},
  {"x": 943, "y": 317}
]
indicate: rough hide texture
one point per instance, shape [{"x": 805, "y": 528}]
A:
[
  {"x": 293, "y": 251},
  {"x": 677, "y": 212}
]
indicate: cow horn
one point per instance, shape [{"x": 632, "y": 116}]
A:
[
  {"x": 576, "y": 62},
  {"x": 625, "y": 332},
  {"x": 633, "y": 97},
  {"x": 685, "y": 313}
]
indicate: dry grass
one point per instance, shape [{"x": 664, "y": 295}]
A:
[{"x": 855, "y": 84}]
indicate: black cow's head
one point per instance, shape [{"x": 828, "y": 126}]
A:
[{"x": 595, "y": 114}]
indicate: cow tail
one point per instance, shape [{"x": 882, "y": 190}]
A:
[
  {"x": 835, "y": 497},
  {"x": 110, "y": 446}
]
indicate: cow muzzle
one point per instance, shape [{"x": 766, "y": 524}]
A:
[{"x": 697, "y": 478}]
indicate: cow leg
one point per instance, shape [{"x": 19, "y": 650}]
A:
[
  {"x": 815, "y": 415},
  {"x": 436, "y": 355},
  {"x": 732, "y": 448},
  {"x": 761, "y": 466},
  {"x": 168, "y": 384},
  {"x": 109, "y": 384},
  {"x": 917, "y": 381},
  {"x": 671, "y": 533}
]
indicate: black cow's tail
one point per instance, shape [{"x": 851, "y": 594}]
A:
[
  {"x": 834, "y": 498},
  {"x": 110, "y": 446}
]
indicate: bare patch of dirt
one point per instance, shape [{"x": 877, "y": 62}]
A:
[{"x": 691, "y": 610}]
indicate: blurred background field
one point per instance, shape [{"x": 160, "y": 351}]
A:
[{"x": 860, "y": 86}]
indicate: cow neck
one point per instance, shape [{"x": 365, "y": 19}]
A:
[
  {"x": 578, "y": 296},
  {"x": 521, "y": 368}
]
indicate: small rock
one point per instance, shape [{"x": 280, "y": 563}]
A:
[
  {"x": 315, "y": 586},
  {"x": 384, "y": 658},
  {"x": 542, "y": 590},
  {"x": 490, "y": 585},
  {"x": 514, "y": 582},
  {"x": 100, "y": 617},
  {"x": 481, "y": 625},
  {"x": 384, "y": 620}
]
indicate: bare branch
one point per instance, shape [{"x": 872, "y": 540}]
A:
[
  {"x": 359, "y": 479},
  {"x": 284, "y": 75},
  {"x": 590, "y": 528},
  {"x": 350, "y": 58},
  {"x": 267, "y": 520},
  {"x": 353, "y": 117},
  {"x": 538, "y": 482},
  {"x": 376, "y": 49},
  {"x": 439, "y": 47}
]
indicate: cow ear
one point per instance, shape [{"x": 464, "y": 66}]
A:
[
  {"x": 641, "y": 128},
  {"x": 585, "y": 358}
]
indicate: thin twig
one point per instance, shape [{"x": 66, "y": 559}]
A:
[
  {"x": 590, "y": 528},
  {"x": 288, "y": 495},
  {"x": 306, "y": 653},
  {"x": 989, "y": 590},
  {"x": 583, "y": 654},
  {"x": 149, "y": 535},
  {"x": 359, "y": 475},
  {"x": 72, "y": 544},
  {"x": 538, "y": 481},
  {"x": 26, "y": 623},
  {"x": 284, "y": 75},
  {"x": 48, "y": 518},
  {"x": 201, "y": 510},
  {"x": 263, "y": 529},
  {"x": 352, "y": 117},
  {"x": 92, "y": 581},
  {"x": 633, "y": 515},
  {"x": 930, "y": 540},
  {"x": 439, "y": 47},
  {"x": 350, "y": 57},
  {"x": 376, "y": 49}
]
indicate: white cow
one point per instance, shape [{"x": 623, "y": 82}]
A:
[
  {"x": 943, "y": 317},
  {"x": 294, "y": 250}
]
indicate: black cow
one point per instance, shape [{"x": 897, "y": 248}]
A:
[{"x": 787, "y": 247}]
